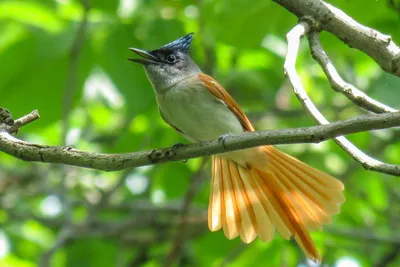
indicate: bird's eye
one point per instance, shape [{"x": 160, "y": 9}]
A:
[{"x": 171, "y": 58}]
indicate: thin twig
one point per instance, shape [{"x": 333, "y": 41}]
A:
[
  {"x": 338, "y": 84},
  {"x": 293, "y": 38},
  {"x": 34, "y": 115},
  {"x": 378, "y": 46}
]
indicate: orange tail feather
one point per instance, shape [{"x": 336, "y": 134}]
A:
[{"x": 288, "y": 196}]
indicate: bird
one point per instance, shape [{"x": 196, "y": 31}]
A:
[{"x": 256, "y": 191}]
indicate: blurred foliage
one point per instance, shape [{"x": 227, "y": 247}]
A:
[{"x": 130, "y": 218}]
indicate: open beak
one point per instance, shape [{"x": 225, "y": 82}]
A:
[{"x": 147, "y": 58}]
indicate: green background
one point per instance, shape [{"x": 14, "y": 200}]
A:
[{"x": 113, "y": 109}]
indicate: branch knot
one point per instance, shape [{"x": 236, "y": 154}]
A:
[{"x": 6, "y": 117}]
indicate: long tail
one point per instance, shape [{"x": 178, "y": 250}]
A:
[{"x": 289, "y": 196}]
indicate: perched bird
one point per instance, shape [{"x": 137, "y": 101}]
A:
[{"x": 253, "y": 191}]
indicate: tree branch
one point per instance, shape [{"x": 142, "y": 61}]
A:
[
  {"x": 378, "y": 46},
  {"x": 293, "y": 38},
  {"x": 34, "y": 115},
  {"x": 113, "y": 162},
  {"x": 338, "y": 84}
]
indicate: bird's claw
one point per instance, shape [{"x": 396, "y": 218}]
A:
[
  {"x": 222, "y": 139},
  {"x": 69, "y": 148},
  {"x": 176, "y": 147}
]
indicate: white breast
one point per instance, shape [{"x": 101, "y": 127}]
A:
[{"x": 196, "y": 112}]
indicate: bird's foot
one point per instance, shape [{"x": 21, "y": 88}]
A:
[
  {"x": 222, "y": 139},
  {"x": 177, "y": 147}
]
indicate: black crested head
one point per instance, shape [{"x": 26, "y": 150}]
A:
[
  {"x": 169, "y": 64},
  {"x": 175, "y": 54},
  {"x": 182, "y": 44}
]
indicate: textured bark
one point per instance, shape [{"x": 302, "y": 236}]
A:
[
  {"x": 113, "y": 162},
  {"x": 378, "y": 46}
]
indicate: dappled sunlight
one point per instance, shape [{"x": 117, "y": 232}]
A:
[
  {"x": 347, "y": 262},
  {"x": 99, "y": 86},
  {"x": 137, "y": 183},
  {"x": 68, "y": 59},
  {"x": 51, "y": 206},
  {"x": 4, "y": 245}
]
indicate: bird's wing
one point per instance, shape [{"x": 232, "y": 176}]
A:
[
  {"x": 219, "y": 92},
  {"x": 176, "y": 128},
  {"x": 167, "y": 122}
]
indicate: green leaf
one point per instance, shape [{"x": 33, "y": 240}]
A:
[
  {"x": 12, "y": 260},
  {"x": 211, "y": 248},
  {"x": 129, "y": 78},
  {"x": 374, "y": 187},
  {"x": 173, "y": 178},
  {"x": 245, "y": 23},
  {"x": 31, "y": 13},
  {"x": 105, "y": 5},
  {"x": 97, "y": 252},
  {"x": 41, "y": 75},
  {"x": 385, "y": 88}
]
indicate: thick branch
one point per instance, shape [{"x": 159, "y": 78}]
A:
[
  {"x": 366, "y": 161},
  {"x": 338, "y": 84},
  {"x": 378, "y": 46},
  {"x": 113, "y": 162}
]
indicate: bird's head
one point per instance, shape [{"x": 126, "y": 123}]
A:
[{"x": 168, "y": 64}]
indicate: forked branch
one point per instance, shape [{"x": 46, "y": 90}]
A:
[{"x": 293, "y": 38}]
